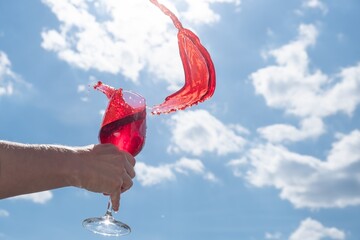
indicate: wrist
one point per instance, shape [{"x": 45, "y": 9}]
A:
[
  {"x": 77, "y": 166},
  {"x": 73, "y": 166}
]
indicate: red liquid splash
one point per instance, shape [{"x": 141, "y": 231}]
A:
[
  {"x": 200, "y": 78},
  {"x": 123, "y": 125}
]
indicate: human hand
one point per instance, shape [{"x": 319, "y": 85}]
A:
[{"x": 105, "y": 169}]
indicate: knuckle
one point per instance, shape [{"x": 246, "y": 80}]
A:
[
  {"x": 133, "y": 174},
  {"x": 129, "y": 183}
]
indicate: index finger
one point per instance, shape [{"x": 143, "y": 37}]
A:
[{"x": 115, "y": 200}]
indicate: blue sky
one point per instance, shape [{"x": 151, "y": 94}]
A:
[{"x": 275, "y": 154}]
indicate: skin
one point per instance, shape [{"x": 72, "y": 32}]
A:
[{"x": 100, "y": 168}]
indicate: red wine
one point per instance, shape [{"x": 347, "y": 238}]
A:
[
  {"x": 199, "y": 70},
  {"x": 126, "y": 133},
  {"x": 124, "y": 123}
]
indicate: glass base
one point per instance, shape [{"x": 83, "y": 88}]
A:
[{"x": 106, "y": 226}]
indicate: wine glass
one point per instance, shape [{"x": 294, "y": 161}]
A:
[{"x": 124, "y": 125}]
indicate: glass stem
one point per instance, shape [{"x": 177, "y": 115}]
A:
[{"x": 109, "y": 209}]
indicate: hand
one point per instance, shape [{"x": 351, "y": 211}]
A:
[{"x": 105, "y": 169}]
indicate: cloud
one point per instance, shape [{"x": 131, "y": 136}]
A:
[
  {"x": 273, "y": 236},
  {"x": 238, "y": 165},
  {"x": 83, "y": 91},
  {"x": 304, "y": 180},
  {"x": 314, "y": 230},
  {"x": 200, "y": 11},
  {"x": 302, "y": 91},
  {"x": 4, "y": 213},
  {"x": 292, "y": 85},
  {"x": 315, "y": 4},
  {"x": 10, "y": 82},
  {"x": 197, "y": 132},
  {"x": 40, "y": 197},
  {"x": 150, "y": 175},
  {"x": 124, "y": 37},
  {"x": 6, "y": 87},
  {"x": 278, "y": 133},
  {"x": 310, "y": 229}
]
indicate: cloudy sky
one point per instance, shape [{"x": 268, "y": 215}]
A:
[{"x": 275, "y": 154}]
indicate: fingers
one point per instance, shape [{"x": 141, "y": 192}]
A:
[
  {"x": 129, "y": 169},
  {"x": 130, "y": 158},
  {"x": 115, "y": 196},
  {"x": 115, "y": 200},
  {"x": 108, "y": 170},
  {"x": 127, "y": 183}
]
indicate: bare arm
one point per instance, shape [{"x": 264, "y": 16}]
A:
[{"x": 33, "y": 168}]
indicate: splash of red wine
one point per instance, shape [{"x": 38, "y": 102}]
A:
[
  {"x": 117, "y": 107},
  {"x": 200, "y": 79}
]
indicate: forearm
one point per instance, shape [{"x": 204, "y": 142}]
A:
[{"x": 33, "y": 168}]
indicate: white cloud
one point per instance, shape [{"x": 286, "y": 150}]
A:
[
  {"x": 186, "y": 165},
  {"x": 198, "y": 131},
  {"x": 40, "y": 197},
  {"x": 310, "y": 229},
  {"x": 313, "y": 230},
  {"x": 6, "y": 87},
  {"x": 304, "y": 180},
  {"x": 81, "y": 88},
  {"x": 273, "y": 236},
  {"x": 83, "y": 91},
  {"x": 123, "y": 36},
  {"x": 309, "y": 127},
  {"x": 315, "y": 4},
  {"x": 200, "y": 11},
  {"x": 10, "y": 82},
  {"x": 293, "y": 86},
  {"x": 238, "y": 166},
  {"x": 4, "y": 213},
  {"x": 150, "y": 175}
]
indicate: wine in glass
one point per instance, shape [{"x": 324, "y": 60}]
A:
[{"x": 124, "y": 125}]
